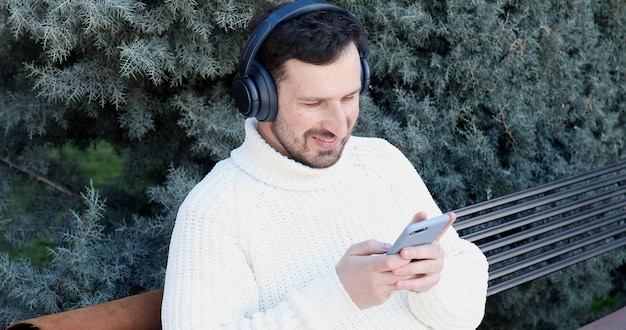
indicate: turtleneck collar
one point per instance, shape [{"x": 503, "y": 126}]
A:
[{"x": 257, "y": 158}]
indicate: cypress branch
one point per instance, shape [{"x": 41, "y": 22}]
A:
[
  {"x": 485, "y": 98},
  {"x": 37, "y": 177}
]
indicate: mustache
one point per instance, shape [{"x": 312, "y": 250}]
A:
[{"x": 321, "y": 133}]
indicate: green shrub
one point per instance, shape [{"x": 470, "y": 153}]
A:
[{"x": 484, "y": 97}]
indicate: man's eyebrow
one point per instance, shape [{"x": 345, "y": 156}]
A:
[
  {"x": 314, "y": 99},
  {"x": 309, "y": 99}
]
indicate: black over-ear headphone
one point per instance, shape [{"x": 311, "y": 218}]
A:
[{"x": 253, "y": 88}]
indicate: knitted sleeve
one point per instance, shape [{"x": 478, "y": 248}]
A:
[
  {"x": 458, "y": 300},
  {"x": 209, "y": 281}
]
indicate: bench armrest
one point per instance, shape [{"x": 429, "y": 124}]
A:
[{"x": 141, "y": 311}]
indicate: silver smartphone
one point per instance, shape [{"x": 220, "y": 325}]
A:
[{"x": 420, "y": 233}]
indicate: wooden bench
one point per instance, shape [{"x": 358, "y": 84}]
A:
[
  {"x": 524, "y": 235},
  {"x": 532, "y": 233}
]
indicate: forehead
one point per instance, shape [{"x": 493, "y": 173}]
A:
[{"x": 337, "y": 78}]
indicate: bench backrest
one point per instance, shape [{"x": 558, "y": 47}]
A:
[{"x": 538, "y": 231}]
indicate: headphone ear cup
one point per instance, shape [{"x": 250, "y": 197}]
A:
[
  {"x": 255, "y": 95},
  {"x": 246, "y": 96},
  {"x": 365, "y": 76},
  {"x": 268, "y": 96}
]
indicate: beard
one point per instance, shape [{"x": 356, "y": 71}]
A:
[{"x": 298, "y": 149}]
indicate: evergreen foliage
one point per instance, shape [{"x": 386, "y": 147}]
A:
[{"x": 485, "y": 97}]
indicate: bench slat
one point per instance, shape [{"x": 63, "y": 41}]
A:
[
  {"x": 576, "y": 204},
  {"x": 546, "y": 241},
  {"x": 537, "y": 231},
  {"x": 535, "y": 203},
  {"x": 542, "y": 229},
  {"x": 532, "y": 275},
  {"x": 561, "y": 250},
  {"x": 539, "y": 189}
]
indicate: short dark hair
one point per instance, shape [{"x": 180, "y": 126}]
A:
[{"x": 318, "y": 37}]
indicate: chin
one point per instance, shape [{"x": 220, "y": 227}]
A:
[{"x": 323, "y": 159}]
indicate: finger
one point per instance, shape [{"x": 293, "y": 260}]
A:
[
  {"x": 367, "y": 248},
  {"x": 420, "y": 283},
  {"x": 448, "y": 225},
  {"x": 423, "y": 252},
  {"x": 420, "y": 267},
  {"x": 387, "y": 263},
  {"x": 419, "y": 216}
]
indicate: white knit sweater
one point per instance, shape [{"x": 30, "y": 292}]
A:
[{"x": 256, "y": 243}]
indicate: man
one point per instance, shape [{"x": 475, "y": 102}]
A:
[{"x": 291, "y": 230}]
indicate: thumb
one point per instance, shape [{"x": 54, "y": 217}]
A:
[
  {"x": 368, "y": 247},
  {"x": 419, "y": 216}
]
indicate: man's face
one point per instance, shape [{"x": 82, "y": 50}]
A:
[{"x": 318, "y": 106}]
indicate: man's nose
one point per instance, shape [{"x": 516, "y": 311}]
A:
[{"x": 337, "y": 119}]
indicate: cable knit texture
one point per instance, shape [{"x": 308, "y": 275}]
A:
[{"x": 256, "y": 242}]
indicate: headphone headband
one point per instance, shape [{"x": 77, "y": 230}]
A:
[
  {"x": 284, "y": 13},
  {"x": 253, "y": 87}
]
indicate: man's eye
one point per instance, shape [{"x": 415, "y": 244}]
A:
[{"x": 312, "y": 105}]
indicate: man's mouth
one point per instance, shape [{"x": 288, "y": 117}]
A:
[{"x": 325, "y": 141}]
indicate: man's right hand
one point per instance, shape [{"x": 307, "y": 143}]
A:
[{"x": 365, "y": 273}]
